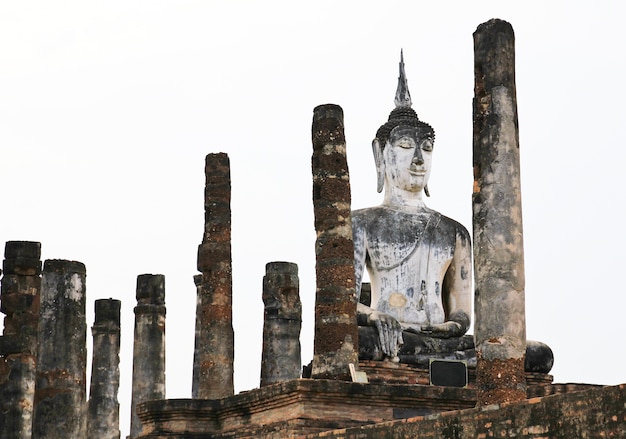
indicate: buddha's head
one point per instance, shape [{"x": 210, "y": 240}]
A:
[{"x": 403, "y": 145}]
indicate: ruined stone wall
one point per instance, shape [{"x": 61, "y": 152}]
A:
[{"x": 591, "y": 414}]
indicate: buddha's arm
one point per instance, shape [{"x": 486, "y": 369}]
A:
[
  {"x": 388, "y": 328},
  {"x": 457, "y": 290},
  {"x": 458, "y": 282},
  {"x": 358, "y": 237}
]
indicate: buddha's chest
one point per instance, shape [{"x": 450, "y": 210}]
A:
[{"x": 405, "y": 242}]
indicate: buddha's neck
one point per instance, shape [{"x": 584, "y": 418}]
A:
[{"x": 399, "y": 198}]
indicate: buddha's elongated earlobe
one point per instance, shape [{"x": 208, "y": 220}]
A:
[
  {"x": 380, "y": 165},
  {"x": 426, "y": 191}
]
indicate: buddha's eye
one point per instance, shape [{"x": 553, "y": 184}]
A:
[
  {"x": 405, "y": 142},
  {"x": 427, "y": 144}
]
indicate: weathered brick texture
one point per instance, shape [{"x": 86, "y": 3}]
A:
[
  {"x": 60, "y": 392},
  {"x": 213, "y": 366},
  {"x": 594, "y": 414},
  {"x": 148, "y": 345},
  {"x": 103, "y": 409},
  {"x": 336, "y": 333},
  {"x": 20, "y": 298},
  {"x": 281, "y": 357}
]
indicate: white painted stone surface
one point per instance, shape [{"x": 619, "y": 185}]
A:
[{"x": 419, "y": 261}]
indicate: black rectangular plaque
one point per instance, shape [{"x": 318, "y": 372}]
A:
[{"x": 450, "y": 373}]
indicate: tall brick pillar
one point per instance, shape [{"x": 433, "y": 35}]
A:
[
  {"x": 20, "y": 301},
  {"x": 215, "y": 343},
  {"x": 60, "y": 392},
  {"x": 103, "y": 409},
  {"x": 500, "y": 328},
  {"x": 197, "y": 351},
  {"x": 336, "y": 332},
  {"x": 149, "y": 345},
  {"x": 281, "y": 357}
]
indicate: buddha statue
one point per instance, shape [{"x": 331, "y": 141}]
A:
[{"x": 418, "y": 260}]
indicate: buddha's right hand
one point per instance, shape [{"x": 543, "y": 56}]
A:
[{"x": 389, "y": 333}]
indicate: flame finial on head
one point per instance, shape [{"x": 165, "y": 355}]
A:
[
  {"x": 403, "y": 97},
  {"x": 402, "y": 114}
]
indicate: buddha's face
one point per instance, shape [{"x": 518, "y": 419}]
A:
[{"x": 408, "y": 157}]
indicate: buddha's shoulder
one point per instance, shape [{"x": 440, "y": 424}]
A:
[
  {"x": 370, "y": 213},
  {"x": 453, "y": 226},
  {"x": 383, "y": 216},
  {"x": 380, "y": 215}
]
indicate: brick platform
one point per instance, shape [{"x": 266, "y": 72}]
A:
[
  {"x": 297, "y": 407},
  {"x": 595, "y": 413},
  {"x": 308, "y": 406}
]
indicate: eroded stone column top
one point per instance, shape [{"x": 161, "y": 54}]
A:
[{"x": 151, "y": 289}]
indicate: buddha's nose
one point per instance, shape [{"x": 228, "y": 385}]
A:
[{"x": 417, "y": 157}]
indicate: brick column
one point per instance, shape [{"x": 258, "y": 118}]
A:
[
  {"x": 60, "y": 392},
  {"x": 20, "y": 301},
  {"x": 281, "y": 358},
  {"x": 216, "y": 341},
  {"x": 500, "y": 328},
  {"x": 149, "y": 345},
  {"x": 336, "y": 334},
  {"x": 103, "y": 409},
  {"x": 198, "y": 348}
]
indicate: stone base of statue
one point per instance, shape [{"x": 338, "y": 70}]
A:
[
  {"x": 387, "y": 372},
  {"x": 419, "y": 349}
]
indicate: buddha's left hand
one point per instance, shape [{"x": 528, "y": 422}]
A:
[{"x": 443, "y": 330}]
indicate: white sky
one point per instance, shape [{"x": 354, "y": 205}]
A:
[{"x": 107, "y": 110}]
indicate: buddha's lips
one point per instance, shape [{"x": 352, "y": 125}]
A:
[{"x": 418, "y": 172}]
